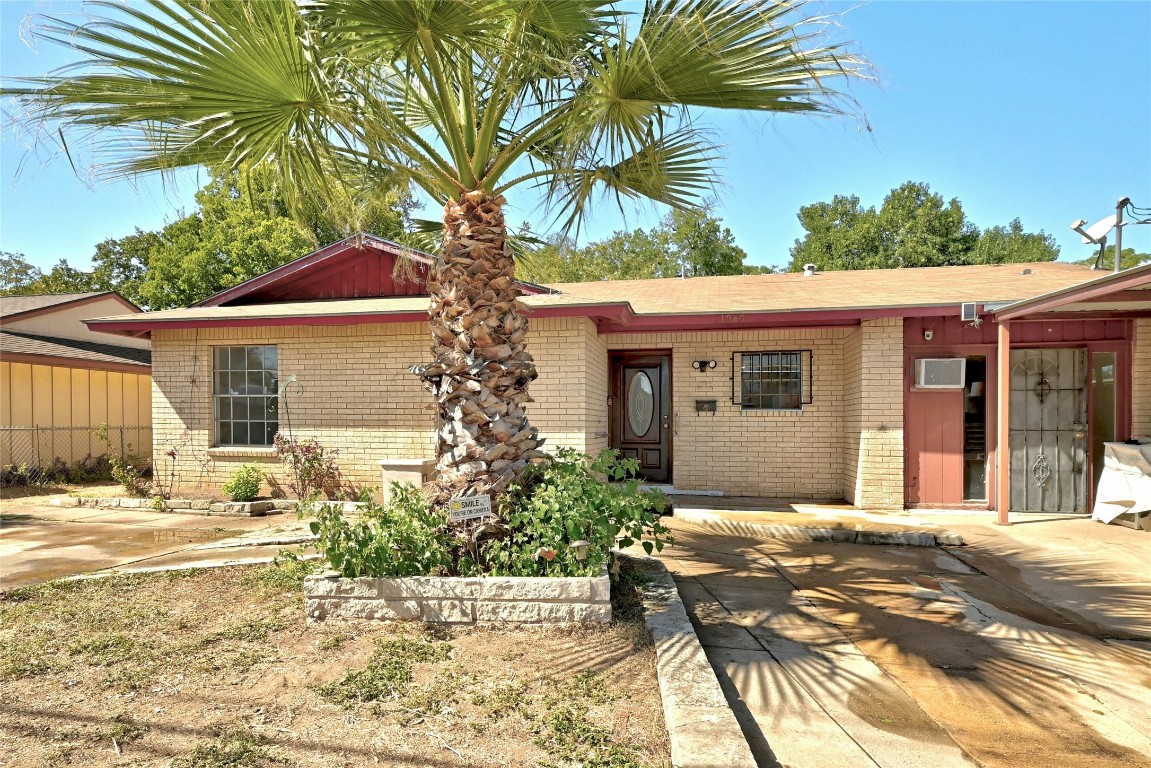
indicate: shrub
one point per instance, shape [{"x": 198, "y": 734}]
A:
[
  {"x": 563, "y": 501},
  {"x": 244, "y": 485},
  {"x": 130, "y": 469},
  {"x": 556, "y": 505},
  {"x": 403, "y": 538},
  {"x": 312, "y": 469}
]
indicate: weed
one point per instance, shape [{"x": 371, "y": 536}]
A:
[
  {"x": 504, "y": 698},
  {"x": 590, "y": 687},
  {"x": 248, "y": 630},
  {"x": 104, "y": 650},
  {"x": 286, "y": 572},
  {"x": 573, "y": 739},
  {"x": 233, "y": 748},
  {"x": 441, "y": 694},
  {"x": 333, "y": 642},
  {"x": 388, "y": 673},
  {"x": 123, "y": 729}
]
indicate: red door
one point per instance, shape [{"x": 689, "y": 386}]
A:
[{"x": 934, "y": 446}]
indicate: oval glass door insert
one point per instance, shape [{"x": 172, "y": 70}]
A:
[{"x": 640, "y": 404}]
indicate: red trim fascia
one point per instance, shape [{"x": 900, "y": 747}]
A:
[
  {"x": 612, "y": 312},
  {"x": 71, "y": 362},
  {"x": 1116, "y": 286},
  {"x": 1087, "y": 314}
]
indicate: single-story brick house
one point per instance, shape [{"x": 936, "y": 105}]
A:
[{"x": 879, "y": 387}]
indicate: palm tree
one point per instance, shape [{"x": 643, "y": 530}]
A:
[{"x": 465, "y": 100}]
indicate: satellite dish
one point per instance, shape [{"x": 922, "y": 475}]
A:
[{"x": 1097, "y": 231}]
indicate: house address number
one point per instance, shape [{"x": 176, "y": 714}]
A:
[{"x": 469, "y": 507}]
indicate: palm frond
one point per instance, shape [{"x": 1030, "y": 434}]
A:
[{"x": 675, "y": 170}]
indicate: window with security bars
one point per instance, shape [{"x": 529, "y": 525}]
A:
[
  {"x": 773, "y": 380},
  {"x": 244, "y": 381}
]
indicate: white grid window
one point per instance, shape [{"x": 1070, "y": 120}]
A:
[{"x": 244, "y": 381}]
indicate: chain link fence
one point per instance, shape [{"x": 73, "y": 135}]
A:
[{"x": 68, "y": 453}]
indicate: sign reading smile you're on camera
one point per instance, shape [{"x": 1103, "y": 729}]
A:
[{"x": 469, "y": 507}]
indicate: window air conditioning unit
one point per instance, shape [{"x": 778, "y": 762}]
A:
[
  {"x": 968, "y": 312},
  {"x": 940, "y": 372}
]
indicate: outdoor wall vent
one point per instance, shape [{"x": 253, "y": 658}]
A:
[
  {"x": 968, "y": 312},
  {"x": 808, "y": 270}
]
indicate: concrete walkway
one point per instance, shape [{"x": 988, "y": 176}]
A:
[
  {"x": 855, "y": 655},
  {"x": 40, "y": 543}
]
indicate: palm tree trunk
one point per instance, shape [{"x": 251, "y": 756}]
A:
[{"x": 481, "y": 367}]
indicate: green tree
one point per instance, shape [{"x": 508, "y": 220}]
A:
[
  {"x": 686, "y": 242},
  {"x": 122, "y": 265},
  {"x": 16, "y": 274},
  {"x": 914, "y": 227},
  {"x": 467, "y": 100},
  {"x": 19, "y": 277},
  {"x": 1130, "y": 258}
]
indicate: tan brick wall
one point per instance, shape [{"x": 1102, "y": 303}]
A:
[
  {"x": 879, "y": 448},
  {"x": 570, "y": 371},
  {"x": 597, "y": 385},
  {"x": 1141, "y": 379},
  {"x": 852, "y": 412},
  {"x": 358, "y": 395},
  {"x": 793, "y": 454}
]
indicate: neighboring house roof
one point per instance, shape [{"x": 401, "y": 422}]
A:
[
  {"x": 19, "y": 346},
  {"x": 826, "y": 298},
  {"x": 1129, "y": 290},
  {"x": 16, "y": 307}
]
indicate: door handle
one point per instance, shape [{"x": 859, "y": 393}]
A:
[{"x": 676, "y": 431}]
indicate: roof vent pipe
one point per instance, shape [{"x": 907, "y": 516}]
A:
[{"x": 808, "y": 270}]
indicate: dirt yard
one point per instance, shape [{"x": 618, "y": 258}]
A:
[{"x": 213, "y": 668}]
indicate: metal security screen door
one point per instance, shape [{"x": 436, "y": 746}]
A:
[{"x": 1048, "y": 430}]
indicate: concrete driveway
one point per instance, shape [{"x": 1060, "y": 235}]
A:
[
  {"x": 39, "y": 542},
  {"x": 856, "y": 655}
]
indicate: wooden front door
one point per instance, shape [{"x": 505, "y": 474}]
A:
[
  {"x": 640, "y": 411},
  {"x": 1048, "y": 430}
]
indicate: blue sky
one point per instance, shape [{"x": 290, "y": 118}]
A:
[{"x": 1034, "y": 110}]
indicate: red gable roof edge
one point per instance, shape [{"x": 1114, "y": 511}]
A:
[{"x": 286, "y": 273}]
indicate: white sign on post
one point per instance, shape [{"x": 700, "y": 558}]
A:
[{"x": 469, "y": 507}]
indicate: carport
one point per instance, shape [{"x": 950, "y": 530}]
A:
[{"x": 1119, "y": 403}]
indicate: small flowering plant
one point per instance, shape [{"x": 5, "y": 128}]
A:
[{"x": 312, "y": 468}]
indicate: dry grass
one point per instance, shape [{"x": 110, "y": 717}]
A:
[{"x": 217, "y": 668}]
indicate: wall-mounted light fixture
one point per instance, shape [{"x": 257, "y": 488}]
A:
[{"x": 702, "y": 365}]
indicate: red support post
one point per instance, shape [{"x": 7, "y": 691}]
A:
[{"x": 1002, "y": 424}]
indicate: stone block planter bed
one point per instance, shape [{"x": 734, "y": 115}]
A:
[{"x": 448, "y": 600}]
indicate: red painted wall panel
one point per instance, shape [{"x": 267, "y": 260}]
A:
[{"x": 934, "y": 446}]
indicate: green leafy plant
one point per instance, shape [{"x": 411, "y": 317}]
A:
[
  {"x": 563, "y": 520},
  {"x": 402, "y": 538},
  {"x": 564, "y": 507},
  {"x": 129, "y": 469},
  {"x": 244, "y": 485}
]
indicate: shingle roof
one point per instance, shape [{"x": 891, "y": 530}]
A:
[
  {"x": 17, "y": 305},
  {"x": 857, "y": 289},
  {"x": 20, "y": 342}
]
